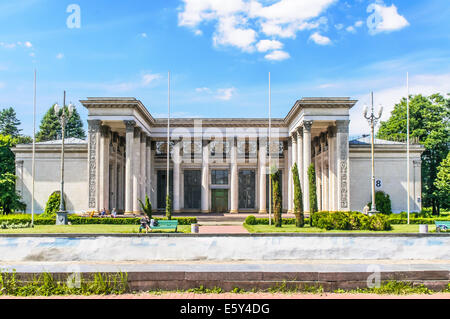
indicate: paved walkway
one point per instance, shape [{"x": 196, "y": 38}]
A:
[{"x": 216, "y": 229}]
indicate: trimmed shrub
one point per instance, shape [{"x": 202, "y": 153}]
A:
[
  {"x": 277, "y": 203},
  {"x": 168, "y": 207},
  {"x": 52, "y": 205},
  {"x": 147, "y": 207},
  {"x": 312, "y": 189},
  {"x": 383, "y": 202},
  {"x": 350, "y": 221},
  {"x": 325, "y": 222},
  {"x": 250, "y": 220},
  {"x": 340, "y": 220},
  {"x": 298, "y": 197}
]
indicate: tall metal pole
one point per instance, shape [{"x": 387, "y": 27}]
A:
[
  {"x": 372, "y": 119},
  {"x": 34, "y": 151},
  {"x": 62, "y": 205},
  {"x": 168, "y": 134},
  {"x": 270, "y": 157},
  {"x": 407, "y": 143},
  {"x": 372, "y": 127}
]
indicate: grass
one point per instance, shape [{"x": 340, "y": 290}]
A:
[
  {"x": 308, "y": 229},
  {"x": 87, "y": 229}
]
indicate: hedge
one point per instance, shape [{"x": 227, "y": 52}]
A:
[
  {"x": 350, "y": 221},
  {"x": 398, "y": 221},
  {"x": 77, "y": 220},
  {"x": 252, "y": 220}
]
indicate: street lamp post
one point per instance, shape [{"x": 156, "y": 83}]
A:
[
  {"x": 61, "y": 218},
  {"x": 372, "y": 119}
]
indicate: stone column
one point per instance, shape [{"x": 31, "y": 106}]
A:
[
  {"x": 262, "y": 175},
  {"x": 343, "y": 165},
  {"x": 104, "y": 167},
  {"x": 205, "y": 177},
  {"x": 317, "y": 161},
  {"x": 136, "y": 169},
  {"x": 129, "y": 167},
  {"x": 94, "y": 163},
  {"x": 306, "y": 162},
  {"x": 288, "y": 170},
  {"x": 323, "y": 188},
  {"x": 176, "y": 176},
  {"x": 417, "y": 176},
  {"x": 300, "y": 154},
  {"x": 234, "y": 179},
  {"x": 114, "y": 172},
  {"x": 148, "y": 173},
  {"x": 332, "y": 165},
  {"x": 143, "y": 160}
]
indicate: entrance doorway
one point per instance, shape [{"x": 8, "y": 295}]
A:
[{"x": 219, "y": 198}]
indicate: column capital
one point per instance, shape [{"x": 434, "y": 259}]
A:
[
  {"x": 299, "y": 130},
  {"x": 143, "y": 137},
  {"x": 129, "y": 125},
  {"x": 293, "y": 136},
  {"x": 94, "y": 126},
  {"x": 342, "y": 126},
  {"x": 307, "y": 125},
  {"x": 323, "y": 137}
]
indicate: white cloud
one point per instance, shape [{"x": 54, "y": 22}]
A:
[
  {"x": 225, "y": 94},
  {"x": 267, "y": 45},
  {"x": 230, "y": 32},
  {"x": 12, "y": 45},
  {"x": 28, "y": 44},
  {"x": 320, "y": 39},
  {"x": 144, "y": 35},
  {"x": 202, "y": 90},
  {"x": 60, "y": 56},
  {"x": 339, "y": 26},
  {"x": 2, "y": 85},
  {"x": 350, "y": 29},
  {"x": 384, "y": 18},
  {"x": 239, "y": 23},
  {"x": 149, "y": 77},
  {"x": 359, "y": 23},
  {"x": 277, "y": 55},
  {"x": 32, "y": 54}
]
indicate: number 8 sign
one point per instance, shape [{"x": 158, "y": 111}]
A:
[{"x": 378, "y": 183}]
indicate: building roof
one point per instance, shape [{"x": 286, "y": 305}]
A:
[
  {"x": 366, "y": 140},
  {"x": 69, "y": 140}
]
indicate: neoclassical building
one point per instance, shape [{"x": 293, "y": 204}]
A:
[{"x": 216, "y": 164}]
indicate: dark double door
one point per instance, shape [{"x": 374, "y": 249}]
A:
[{"x": 219, "y": 200}]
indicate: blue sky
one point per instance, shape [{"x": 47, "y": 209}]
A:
[{"x": 220, "y": 52}]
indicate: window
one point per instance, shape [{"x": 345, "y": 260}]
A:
[
  {"x": 247, "y": 189},
  {"x": 219, "y": 177},
  {"x": 192, "y": 188}
]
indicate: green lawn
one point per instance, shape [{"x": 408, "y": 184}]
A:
[
  {"x": 86, "y": 229},
  {"x": 308, "y": 229}
]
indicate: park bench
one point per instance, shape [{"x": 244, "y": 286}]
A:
[
  {"x": 166, "y": 224},
  {"x": 442, "y": 225}
]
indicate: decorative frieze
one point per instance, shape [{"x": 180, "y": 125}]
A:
[{"x": 93, "y": 131}]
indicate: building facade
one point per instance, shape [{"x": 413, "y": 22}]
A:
[{"x": 216, "y": 164}]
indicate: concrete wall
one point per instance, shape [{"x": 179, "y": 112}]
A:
[
  {"x": 229, "y": 247},
  {"x": 390, "y": 168},
  {"x": 48, "y": 178}
]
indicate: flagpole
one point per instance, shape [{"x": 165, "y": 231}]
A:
[
  {"x": 270, "y": 177},
  {"x": 33, "y": 166},
  {"x": 168, "y": 133},
  {"x": 407, "y": 142}
]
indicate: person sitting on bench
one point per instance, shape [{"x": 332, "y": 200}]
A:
[{"x": 144, "y": 224}]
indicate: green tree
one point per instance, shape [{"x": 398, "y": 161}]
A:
[
  {"x": 312, "y": 190},
  {"x": 7, "y": 158},
  {"x": 52, "y": 205},
  {"x": 147, "y": 207},
  {"x": 298, "y": 198},
  {"x": 277, "y": 200},
  {"x": 429, "y": 123},
  {"x": 9, "y": 199},
  {"x": 50, "y": 127},
  {"x": 442, "y": 182},
  {"x": 9, "y": 124},
  {"x": 383, "y": 202}
]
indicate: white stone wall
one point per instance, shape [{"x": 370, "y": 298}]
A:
[
  {"x": 48, "y": 177},
  {"x": 390, "y": 168},
  {"x": 223, "y": 248}
]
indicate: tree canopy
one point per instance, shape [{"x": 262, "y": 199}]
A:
[
  {"x": 429, "y": 123},
  {"x": 50, "y": 127},
  {"x": 9, "y": 124}
]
